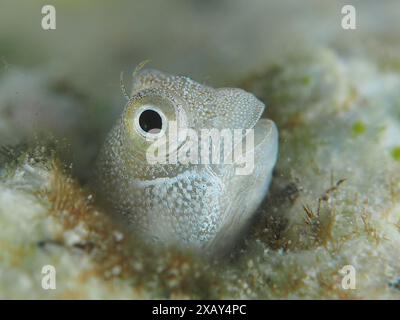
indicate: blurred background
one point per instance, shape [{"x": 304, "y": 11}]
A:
[{"x": 213, "y": 41}]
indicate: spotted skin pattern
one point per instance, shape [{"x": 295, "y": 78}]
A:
[{"x": 197, "y": 206}]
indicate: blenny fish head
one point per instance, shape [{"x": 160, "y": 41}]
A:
[{"x": 187, "y": 203}]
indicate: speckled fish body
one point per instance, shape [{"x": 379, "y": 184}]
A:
[{"x": 203, "y": 206}]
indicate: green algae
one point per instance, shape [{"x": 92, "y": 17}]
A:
[
  {"x": 359, "y": 128},
  {"x": 396, "y": 154}
]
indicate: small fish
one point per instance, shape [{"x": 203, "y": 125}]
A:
[{"x": 203, "y": 206}]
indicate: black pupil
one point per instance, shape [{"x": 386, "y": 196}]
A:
[{"x": 150, "y": 120}]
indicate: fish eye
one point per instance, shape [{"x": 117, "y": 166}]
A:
[{"x": 150, "y": 121}]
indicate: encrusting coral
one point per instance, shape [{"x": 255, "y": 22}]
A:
[{"x": 334, "y": 201}]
